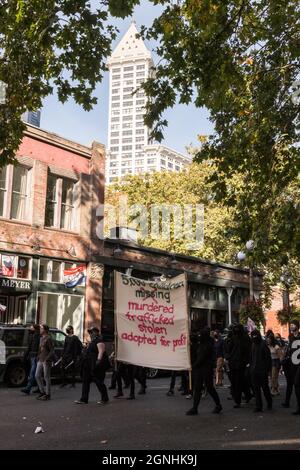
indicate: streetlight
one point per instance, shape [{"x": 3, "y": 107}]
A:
[
  {"x": 241, "y": 256},
  {"x": 229, "y": 291}
]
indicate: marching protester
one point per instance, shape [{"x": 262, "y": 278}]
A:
[
  {"x": 260, "y": 366},
  {"x": 276, "y": 354},
  {"x": 31, "y": 355},
  {"x": 45, "y": 357},
  {"x": 238, "y": 353},
  {"x": 94, "y": 366},
  {"x": 280, "y": 341},
  {"x": 219, "y": 352},
  {"x": 71, "y": 352},
  {"x": 203, "y": 372},
  {"x": 294, "y": 354}
]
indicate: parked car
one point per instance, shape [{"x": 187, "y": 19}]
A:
[{"x": 15, "y": 337}]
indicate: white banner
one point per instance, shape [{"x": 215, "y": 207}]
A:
[{"x": 152, "y": 322}]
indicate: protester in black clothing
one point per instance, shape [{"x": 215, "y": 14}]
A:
[
  {"x": 121, "y": 375},
  {"x": 95, "y": 363},
  {"x": 31, "y": 355},
  {"x": 260, "y": 366},
  {"x": 71, "y": 352},
  {"x": 294, "y": 354},
  {"x": 203, "y": 371},
  {"x": 238, "y": 354},
  {"x": 286, "y": 365}
]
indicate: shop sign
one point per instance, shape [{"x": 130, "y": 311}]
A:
[{"x": 16, "y": 284}]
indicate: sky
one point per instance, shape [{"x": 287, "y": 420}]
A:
[{"x": 71, "y": 121}]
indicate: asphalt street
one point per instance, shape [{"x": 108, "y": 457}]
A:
[{"x": 152, "y": 421}]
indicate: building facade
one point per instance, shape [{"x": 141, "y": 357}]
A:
[
  {"x": 129, "y": 149},
  {"x": 48, "y": 204}
]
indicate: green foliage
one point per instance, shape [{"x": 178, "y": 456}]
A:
[
  {"x": 285, "y": 315},
  {"x": 51, "y": 45},
  {"x": 187, "y": 187},
  {"x": 252, "y": 308},
  {"x": 241, "y": 60}
]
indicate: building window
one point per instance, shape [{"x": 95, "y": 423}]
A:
[
  {"x": 113, "y": 164},
  {"x": 3, "y": 184},
  {"x": 163, "y": 162},
  {"x": 139, "y": 124},
  {"x": 170, "y": 165},
  {"x": 115, "y": 113},
  {"x": 114, "y": 134},
  {"x": 115, "y": 105},
  {"x": 60, "y": 202},
  {"x": 115, "y": 91},
  {"x": 127, "y": 111},
  {"x": 114, "y": 149},
  {"x": 114, "y": 141},
  {"x": 128, "y": 75},
  {"x": 126, "y": 163},
  {"x": 115, "y": 126},
  {"x": 150, "y": 161},
  {"x": 127, "y": 125},
  {"x": 140, "y": 67},
  {"x": 140, "y": 74},
  {"x": 139, "y": 147},
  {"x": 128, "y": 69},
  {"x": 139, "y": 116},
  {"x": 127, "y": 118},
  {"x": 115, "y": 119},
  {"x": 128, "y": 90},
  {"x": 126, "y": 141},
  {"x": 177, "y": 168},
  {"x": 127, "y": 133},
  {"x": 127, "y": 147},
  {"x": 127, "y": 97},
  {"x": 129, "y": 82},
  {"x": 116, "y": 77},
  {"x": 139, "y": 131},
  {"x": 116, "y": 70},
  {"x": 139, "y": 162},
  {"x": 113, "y": 156},
  {"x": 139, "y": 139},
  {"x": 115, "y": 98},
  {"x": 126, "y": 155},
  {"x": 140, "y": 102},
  {"x": 127, "y": 103},
  {"x": 15, "y": 266}
]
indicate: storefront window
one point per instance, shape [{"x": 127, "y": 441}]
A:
[
  {"x": 23, "y": 267},
  {"x": 45, "y": 270},
  {"x": 56, "y": 271},
  {"x": 3, "y": 172},
  {"x": 20, "y": 193}
]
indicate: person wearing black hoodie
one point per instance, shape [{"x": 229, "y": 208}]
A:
[
  {"x": 203, "y": 372},
  {"x": 238, "y": 358},
  {"x": 260, "y": 366}
]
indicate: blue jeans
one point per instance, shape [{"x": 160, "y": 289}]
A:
[{"x": 31, "y": 378}]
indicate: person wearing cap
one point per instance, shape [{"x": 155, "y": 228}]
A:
[{"x": 94, "y": 366}]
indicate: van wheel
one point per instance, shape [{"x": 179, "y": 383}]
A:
[
  {"x": 16, "y": 375},
  {"x": 152, "y": 373}
]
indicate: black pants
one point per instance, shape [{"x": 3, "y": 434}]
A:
[
  {"x": 296, "y": 376},
  {"x": 237, "y": 382},
  {"x": 288, "y": 374},
  {"x": 97, "y": 376},
  {"x": 260, "y": 382},
  {"x": 69, "y": 372},
  {"x": 121, "y": 374},
  {"x": 201, "y": 378},
  {"x": 139, "y": 373},
  {"x": 184, "y": 380}
]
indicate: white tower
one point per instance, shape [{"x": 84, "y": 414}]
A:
[{"x": 129, "y": 65}]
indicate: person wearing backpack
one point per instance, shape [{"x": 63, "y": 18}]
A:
[
  {"x": 71, "y": 352},
  {"x": 95, "y": 363}
]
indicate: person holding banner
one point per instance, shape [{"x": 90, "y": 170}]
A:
[
  {"x": 94, "y": 366},
  {"x": 203, "y": 372}
]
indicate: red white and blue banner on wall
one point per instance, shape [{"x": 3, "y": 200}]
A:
[{"x": 75, "y": 276}]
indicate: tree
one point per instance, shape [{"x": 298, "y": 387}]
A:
[
  {"x": 240, "y": 59},
  {"x": 47, "y": 45},
  {"x": 187, "y": 187}
]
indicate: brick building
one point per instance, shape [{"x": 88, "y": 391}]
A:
[{"x": 47, "y": 208}]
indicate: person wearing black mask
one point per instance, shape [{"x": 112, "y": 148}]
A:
[
  {"x": 238, "y": 358},
  {"x": 203, "y": 372},
  {"x": 71, "y": 352},
  {"x": 31, "y": 355},
  {"x": 294, "y": 354},
  {"x": 94, "y": 366},
  {"x": 260, "y": 366}
]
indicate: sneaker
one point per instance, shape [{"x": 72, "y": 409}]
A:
[
  {"x": 217, "y": 409},
  {"x": 41, "y": 395},
  {"x": 189, "y": 397},
  {"x": 118, "y": 395},
  {"x": 170, "y": 393},
  {"x": 26, "y": 391},
  {"x": 80, "y": 402},
  {"x": 102, "y": 402},
  {"x": 192, "y": 412},
  {"x": 285, "y": 405}
]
